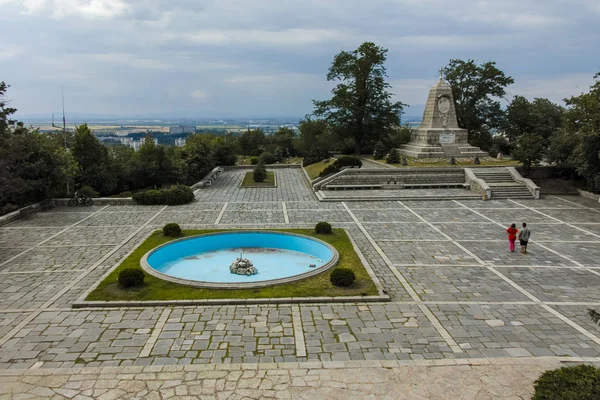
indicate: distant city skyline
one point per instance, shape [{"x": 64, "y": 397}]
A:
[{"x": 232, "y": 59}]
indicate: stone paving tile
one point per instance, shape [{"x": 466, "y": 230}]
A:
[
  {"x": 417, "y": 204},
  {"x": 23, "y": 291},
  {"x": 226, "y": 334},
  {"x": 594, "y": 228},
  {"x": 579, "y": 315},
  {"x": 314, "y": 216},
  {"x": 313, "y": 205},
  {"x": 51, "y": 219},
  {"x": 133, "y": 208},
  {"x": 453, "y": 215},
  {"x": 558, "y": 232},
  {"x": 262, "y": 206},
  {"x": 96, "y": 338},
  {"x": 92, "y": 236},
  {"x": 587, "y": 254},
  {"x": 6, "y": 253},
  {"x": 252, "y": 217},
  {"x": 400, "y": 215},
  {"x": 516, "y": 216},
  {"x": 57, "y": 258},
  {"x": 23, "y": 237},
  {"x": 512, "y": 330},
  {"x": 197, "y": 206},
  {"x": 495, "y": 204},
  {"x": 370, "y": 332},
  {"x": 409, "y": 253},
  {"x": 573, "y": 216},
  {"x": 582, "y": 201},
  {"x": 415, "y": 231},
  {"x": 8, "y": 321},
  {"x": 116, "y": 219},
  {"x": 497, "y": 253},
  {"x": 549, "y": 202},
  {"x": 373, "y": 205},
  {"x": 391, "y": 194},
  {"x": 459, "y": 284},
  {"x": 186, "y": 217},
  {"x": 472, "y": 231},
  {"x": 556, "y": 284}
]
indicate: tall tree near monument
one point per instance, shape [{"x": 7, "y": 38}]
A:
[
  {"x": 538, "y": 117},
  {"x": 476, "y": 90},
  {"x": 93, "y": 160},
  {"x": 5, "y": 110},
  {"x": 361, "y": 107}
]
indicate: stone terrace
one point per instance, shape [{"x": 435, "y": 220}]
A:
[{"x": 457, "y": 293}]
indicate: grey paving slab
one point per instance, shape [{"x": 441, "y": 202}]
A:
[
  {"x": 387, "y": 215},
  {"x": 583, "y": 201},
  {"x": 460, "y": 284},
  {"x": 314, "y": 216},
  {"x": 550, "y": 202},
  {"x": 51, "y": 219},
  {"x": 257, "y": 206},
  {"x": 313, "y": 205},
  {"x": 8, "y": 321},
  {"x": 516, "y": 216},
  {"x": 404, "y": 194},
  {"x": 573, "y": 216},
  {"x": 452, "y": 215},
  {"x": 374, "y": 205},
  {"x": 401, "y": 232},
  {"x": 497, "y": 253},
  {"x": 119, "y": 218},
  {"x": 557, "y": 284},
  {"x": 6, "y": 253},
  {"x": 23, "y": 237},
  {"x": 587, "y": 254},
  {"x": 495, "y": 204},
  {"x": 408, "y": 253},
  {"x": 57, "y": 258},
  {"x": 437, "y": 204},
  {"x": 252, "y": 217},
  {"x": 512, "y": 330},
  {"x": 593, "y": 228},
  {"x": 370, "y": 332},
  {"x": 472, "y": 231},
  {"x": 579, "y": 315},
  {"x": 559, "y": 232},
  {"x": 92, "y": 236},
  {"x": 24, "y": 291},
  {"x": 186, "y": 217}
]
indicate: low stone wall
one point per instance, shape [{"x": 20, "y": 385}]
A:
[
  {"x": 269, "y": 166},
  {"x": 100, "y": 201},
  {"x": 589, "y": 195},
  {"x": 10, "y": 218},
  {"x": 477, "y": 185},
  {"x": 531, "y": 186}
]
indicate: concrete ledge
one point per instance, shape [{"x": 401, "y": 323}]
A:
[
  {"x": 205, "y": 302},
  {"x": 282, "y": 166},
  {"x": 589, "y": 195},
  {"x": 478, "y": 185},
  {"x": 10, "y": 218},
  {"x": 532, "y": 187},
  {"x": 100, "y": 201}
]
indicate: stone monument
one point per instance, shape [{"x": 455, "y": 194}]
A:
[{"x": 439, "y": 134}]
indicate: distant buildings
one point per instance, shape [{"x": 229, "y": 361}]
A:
[
  {"x": 135, "y": 144},
  {"x": 174, "y": 130},
  {"x": 179, "y": 142}
]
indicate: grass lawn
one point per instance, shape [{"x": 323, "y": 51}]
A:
[
  {"x": 158, "y": 289},
  {"x": 249, "y": 180},
  {"x": 313, "y": 170},
  {"x": 460, "y": 161},
  {"x": 242, "y": 160}
]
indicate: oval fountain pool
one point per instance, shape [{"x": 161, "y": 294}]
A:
[{"x": 205, "y": 260}]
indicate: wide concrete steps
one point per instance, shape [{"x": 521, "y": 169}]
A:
[{"x": 511, "y": 192}]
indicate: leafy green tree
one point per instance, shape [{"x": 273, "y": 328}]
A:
[
  {"x": 156, "y": 166},
  {"x": 252, "y": 142},
  {"x": 5, "y": 110},
  {"x": 225, "y": 148},
  {"x": 198, "y": 157},
  {"x": 361, "y": 107},
  {"x": 540, "y": 117},
  {"x": 284, "y": 139},
  {"x": 476, "y": 90},
  {"x": 94, "y": 161},
  {"x": 314, "y": 134},
  {"x": 529, "y": 149}
]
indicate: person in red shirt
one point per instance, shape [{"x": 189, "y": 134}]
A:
[{"x": 512, "y": 236}]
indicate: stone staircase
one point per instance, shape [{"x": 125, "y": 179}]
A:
[{"x": 503, "y": 184}]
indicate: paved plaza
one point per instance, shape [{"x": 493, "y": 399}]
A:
[{"x": 457, "y": 293}]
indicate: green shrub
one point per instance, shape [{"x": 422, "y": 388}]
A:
[
  {"x": 172, "y": 229},
  {"x": 581, "y": 382},
  {"x": 379, "y": 150},
  {"x": 268, "y": 158},
  {"x": 174, "y": 195},
  {"x": 254, "y": 160},
  {"x": 260, "y": 172},
  {"x": 342, "y": 277},
  {"x": 88, "y": 191},
  {"x": 348, "y": 161},
  {"x": 121, "y": 195},
  {"x": 330, "y": 169},
  {"x": 393, "y": 157},
  {"x": 131, "y": 277},
  {"x": 323, "y": 227},
  {"x": 314, "y": 156}
]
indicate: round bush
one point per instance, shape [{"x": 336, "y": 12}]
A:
[
  {"x": 254, "y": 160},
  {"x": 323, "y": 227},
  {"x": 314, "y": 156},
  {"x": 88, "y": 191},
  {"x": 393, "y": 157},
  {"x": 379, "y": 151},
  {"x": 174, "y": 195},
  {"x": 260, "y": 173},
  {"x": 131, "y": 277},
  {"x": 342, "y": 277},
  {"x": 329, "y": 170},
  {"x": 268, "y": 158},
  {"x": 172, "y": 229},
  {"x": 348, "y": 161},
  {"x": 581, "y": 382}
]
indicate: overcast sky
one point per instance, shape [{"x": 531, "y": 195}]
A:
[{"x": 234, "y": 58}]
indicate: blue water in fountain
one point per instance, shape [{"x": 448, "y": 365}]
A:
[{"x": 207, "y": 258}]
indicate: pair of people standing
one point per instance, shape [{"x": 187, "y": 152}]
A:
[{"x": 524, "y": 234}]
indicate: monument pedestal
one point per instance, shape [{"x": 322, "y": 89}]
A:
[{"x": 439, "y": 135}]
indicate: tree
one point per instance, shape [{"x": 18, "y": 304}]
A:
[
  {"x": 284, "y": 140},
  {"x": 315, "y": 134},
  {"x": 540, "y": 117},
  {"x": 198, "y": 157},
  {"x": 5, "y": 111},
  {"x": 252, "y": 142},
  {"x": 225, "y": 149},
  {"x": 476, "y": 90},
  {"x": 361, "y": 107},
  {"x": 529, "y": 149},
  {"x": 93, "y": 160}
]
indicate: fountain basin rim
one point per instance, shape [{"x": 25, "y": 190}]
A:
[{"x": 240, "y": 285}]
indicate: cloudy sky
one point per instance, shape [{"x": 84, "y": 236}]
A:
[{"x": 234, "y": 58}]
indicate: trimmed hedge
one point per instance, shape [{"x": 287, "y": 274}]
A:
[
  {"x": 379, "y": 151},
  {"x": 393, "y": 157},
  {"x": 314, "y": 156},
  {"x": 88, "y": 191},
  {"x": 348, "y": 161},
  {"x": 131, "y": 277},
  {"x": 581, "y": 382},
  {"x": 260, "y": 173},
  {"x": 174, "y": 195},
  {"x": 254, "y": 160},
  {"x": 342, "y": 277},
  {"x": 323, "y": 227},
  {"x": 171, "y": 229}
]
